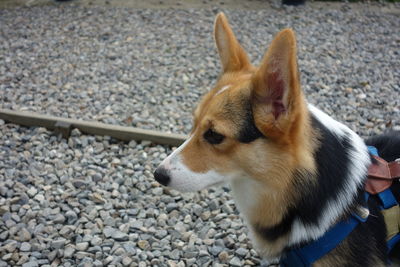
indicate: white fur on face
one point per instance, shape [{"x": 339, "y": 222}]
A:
[
  {"x": 226, "y": 87},
  {"x": 184, "y": 179}
]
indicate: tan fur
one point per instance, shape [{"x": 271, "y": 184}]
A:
[{"x": 233, "y": 57}]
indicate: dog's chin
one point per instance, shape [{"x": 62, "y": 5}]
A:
[{"x": 186, "y": 187}]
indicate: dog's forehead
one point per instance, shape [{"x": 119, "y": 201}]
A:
[
  {"x": 229, "y": 91},
  {"x": 234, "y": 79}
]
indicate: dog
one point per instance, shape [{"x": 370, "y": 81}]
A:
[{"x": 294, "y": 171}]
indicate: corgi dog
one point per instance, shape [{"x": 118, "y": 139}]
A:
[{"x": 294, "y": 171}]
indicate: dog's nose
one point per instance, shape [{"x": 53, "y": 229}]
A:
[{"x": 161, "y": 175}]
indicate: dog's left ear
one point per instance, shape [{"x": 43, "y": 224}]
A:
[
  {"x": 232, "y": 55},
  {"x": 276, "y": 88}
]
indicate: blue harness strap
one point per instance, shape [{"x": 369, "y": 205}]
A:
[
  {"x": 387, "y": 198},
  {"x": 306, "y": 255},
  {"x": 310, "y": 253},
  {"x": 373, "y": 151}
]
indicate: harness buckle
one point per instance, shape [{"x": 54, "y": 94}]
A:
[{"x": 363, "y": 212}]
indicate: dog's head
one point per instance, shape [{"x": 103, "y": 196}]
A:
[{"x": 249, "y": 125}]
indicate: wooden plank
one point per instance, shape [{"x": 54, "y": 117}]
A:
[{"x": 89, "y": 127}]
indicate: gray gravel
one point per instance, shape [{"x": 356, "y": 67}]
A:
[
  {"x": 92, "y": 201},
  {"x": 123, "y": 218},
  {"x": 148, "y": 67}
]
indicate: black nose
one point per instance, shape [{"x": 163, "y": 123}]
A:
[{"x": 161, "y": 175}]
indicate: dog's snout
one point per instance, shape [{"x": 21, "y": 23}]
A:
[{"x": 161, "y": 175}]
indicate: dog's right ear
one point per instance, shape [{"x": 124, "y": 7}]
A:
[
  {"x": 232, "y": 55},
  {"x": 278, "y": 101}
]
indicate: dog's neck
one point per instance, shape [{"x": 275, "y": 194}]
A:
[{"x": 315, "y": 200}]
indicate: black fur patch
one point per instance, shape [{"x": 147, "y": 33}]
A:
[
  {"x": 248, "y": 129},
  {"x": 388, "y": 145},
  {"x": 367, "y": 239},
  {"x": 274, "y": 232},
  {"x": 332, "y": 160},
  {"x": 241, "y": 113}
]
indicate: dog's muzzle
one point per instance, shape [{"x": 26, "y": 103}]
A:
[{"x": 162, "y": 176}]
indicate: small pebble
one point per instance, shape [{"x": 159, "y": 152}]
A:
[
  {"x": 82, "y": 246},
  {"x": 25, "y": 247}
]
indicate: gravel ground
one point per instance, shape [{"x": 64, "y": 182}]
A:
[
  {"x": 92, "y": 201},
  {"x": 148, "y": 67}
]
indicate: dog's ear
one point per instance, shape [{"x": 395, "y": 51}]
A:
[
  {"x": 232, "y": 55},
  {"x": 276, "y": 88}
]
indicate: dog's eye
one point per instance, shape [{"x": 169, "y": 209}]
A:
[{"x": 213, "y": 137}]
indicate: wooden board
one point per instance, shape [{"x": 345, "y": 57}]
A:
[{"x": 94, "y": 128}]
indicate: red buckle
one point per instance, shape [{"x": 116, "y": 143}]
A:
[{"x": 381, "y": 175}]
